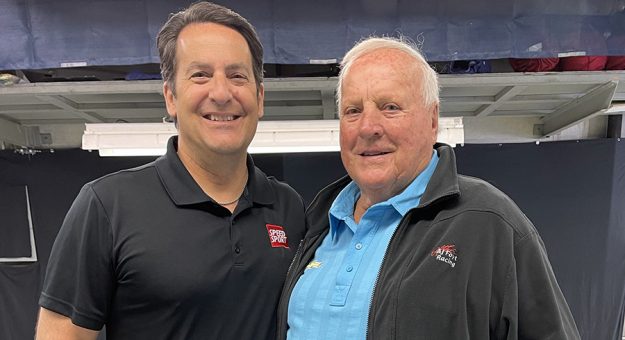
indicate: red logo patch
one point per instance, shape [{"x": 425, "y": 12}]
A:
[
  {"x": 445, "y": 249},
  {"x": 446, "y": 253},
  {"x": 277, "y": 236}
]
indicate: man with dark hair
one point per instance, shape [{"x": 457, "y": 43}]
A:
[{"x": 194, "y": 245}]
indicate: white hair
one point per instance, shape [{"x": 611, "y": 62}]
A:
[{"x": 429, "y": 84}]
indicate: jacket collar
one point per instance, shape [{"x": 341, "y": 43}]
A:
[
  {"x": 442, "y": 185},
  {"x": 444, "y": 181},
  {"x": 183, "y": 190}
]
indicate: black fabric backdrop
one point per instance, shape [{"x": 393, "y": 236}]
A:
[{"x": 574, "y": 192}]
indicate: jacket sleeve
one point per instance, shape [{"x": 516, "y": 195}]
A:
[{"x": 534, "y": 305}]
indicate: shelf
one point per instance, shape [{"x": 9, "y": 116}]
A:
[{"x": 495, "y": 107}]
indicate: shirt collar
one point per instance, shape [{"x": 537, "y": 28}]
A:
[
  {"x": 343, "y": 206},
  {"x": 410, "y": 197},
  {"x": 183, "y": 189}
]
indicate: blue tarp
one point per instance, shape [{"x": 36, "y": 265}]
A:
[{"x": 50, "y": 34}]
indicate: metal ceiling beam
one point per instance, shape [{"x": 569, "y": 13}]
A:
[
  {"x": 467, "y": 100},
  {"x": 275, "y": 95},
  {"x": 294, "y": 111},
  {"x": 522, "y": 113},
  {"x": 299, "y": 84},
  {"x": 318, "y": 83},
  {"x": 616, "y": 109},
  {"x": 534, "y": 78},
  {"x": 70, "y": 106},
  {"x": 329, "y": 104},
  {"x": 95, "y": 87},
  {"x": 79, "y": 121},
  {"x": 155, "y": 86},
  {"x": 25, "y": 108},
  {"x": 500, "y": 129},
  {"x": 305, "y": 98},
  {"x": 120, "y": 105},
  {"x": 544, "y": 97},
  {"x": 12, "y": 133},
  {"x": 500, "y": 99},
  {"x": 593, "y": 103},
  {"x": 293, "y": 103}
]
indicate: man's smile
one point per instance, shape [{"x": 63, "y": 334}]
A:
[{"x": 221, "y": 117}]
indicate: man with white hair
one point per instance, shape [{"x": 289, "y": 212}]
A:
[{"x": 404, "y": 247}]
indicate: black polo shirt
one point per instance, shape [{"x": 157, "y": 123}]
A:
[{"x": 146, "y": 252}]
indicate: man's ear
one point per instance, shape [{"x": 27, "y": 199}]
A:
[
  {"x": 170, "y": 100},
  {"x": 261, "y": 100},
  {"x": 434, "y": 117}
]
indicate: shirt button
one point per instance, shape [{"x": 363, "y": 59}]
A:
[
  {"x": 237, "y": 250},
  {"x": 358, "y": 246},
  {"x": 350, "y": 268}
]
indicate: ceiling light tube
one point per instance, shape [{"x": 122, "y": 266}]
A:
[{"x": 150, "y": 139}]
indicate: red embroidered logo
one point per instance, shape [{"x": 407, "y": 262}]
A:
[
  {"x": 277, "y": 236},
  {"x": 446, "y": 253}
]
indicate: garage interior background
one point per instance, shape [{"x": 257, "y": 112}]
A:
[{"x": 574, "y": 191}]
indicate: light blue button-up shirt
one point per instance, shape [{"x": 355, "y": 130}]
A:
[{"x": 331, "y": 300}]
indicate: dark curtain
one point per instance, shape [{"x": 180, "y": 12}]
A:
[
  {"x": 574, "y": 192},
  {"x": 53, "y": 180},
  {"x": 19, "y": 292}
]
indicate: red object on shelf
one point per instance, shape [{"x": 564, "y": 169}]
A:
[
  {"x": 534, "y": 65},
  {"x": 583, "y": 63}
]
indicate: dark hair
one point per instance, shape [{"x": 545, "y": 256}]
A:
[{"x": 205, "y": 12}]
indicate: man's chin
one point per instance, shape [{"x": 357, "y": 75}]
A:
[
  {"x": 370, "y": 182},
  {"x": 228, "y": 149}
]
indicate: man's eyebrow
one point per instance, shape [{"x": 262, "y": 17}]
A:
[
  {"x": 200, "y": 65},
  {"x": 237, "y": 67},
  {"x": 230, "y": 67}
]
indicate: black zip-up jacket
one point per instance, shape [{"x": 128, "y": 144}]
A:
[{"x": 465, "y": 263}]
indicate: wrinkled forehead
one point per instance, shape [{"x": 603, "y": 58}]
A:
[
  {"x": 385, "y": 57},
  {"x": 389, "y": 67}
]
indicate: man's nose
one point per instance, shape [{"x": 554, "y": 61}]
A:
[
  {"x": 220, "y": 92},
  {"x": 371, "y": 123}
]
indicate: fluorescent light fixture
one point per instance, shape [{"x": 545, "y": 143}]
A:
[
  {"x": 150, "y": 139},
  {"x": 128, "y": 139},
  {"x": 120, "y": 152},
  {"x": 296, "y": 136}
]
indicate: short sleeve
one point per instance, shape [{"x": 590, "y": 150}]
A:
[{"x": 79, "y": 277}]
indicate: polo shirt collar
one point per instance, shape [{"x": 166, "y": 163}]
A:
[
  {"x": 411, "y": 196},
  {"x": 183, "y": 189},
  {"x": 343, "y": 206},
  {"x": 258, "y": 187}
]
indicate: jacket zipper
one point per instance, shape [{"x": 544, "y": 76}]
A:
[
  {"x": 375, "y": 284},
  {"x": 287, "y": 284},
  {"x": 402, "y": 224},
  {"x": 297, "y": 252}
]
